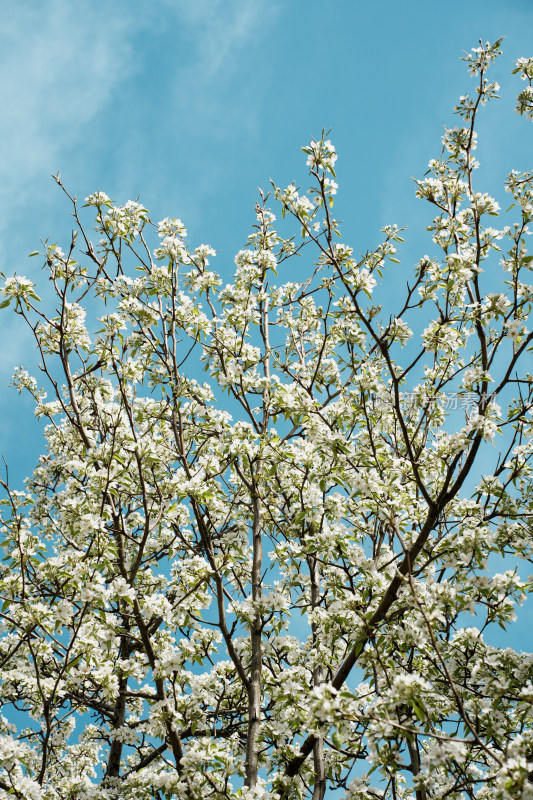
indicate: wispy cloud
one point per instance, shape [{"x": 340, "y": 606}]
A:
[
  {"x": 204, "y": 93},
  {"x": 63, "y": 67},
  {"x": 213, "y": 112},
  {"x": 61, "y": 63},
  {"x": 221, "y": 28}
]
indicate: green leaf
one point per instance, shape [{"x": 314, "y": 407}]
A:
[
  {"x": 419, "y": 710},
  {"x": 337, "y": 739},
  {"x": 5, "y": 303},
  {"x": 359, "y": 647}
]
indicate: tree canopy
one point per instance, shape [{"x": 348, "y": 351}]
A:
[{"x": 274, "y": 522}]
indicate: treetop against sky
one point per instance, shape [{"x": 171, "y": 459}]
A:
[
  {"x": 195, "y": 105},
  {"x": 268, "y": 598}
]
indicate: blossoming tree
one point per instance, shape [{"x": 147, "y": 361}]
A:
[{"x": 253, "y": 582}]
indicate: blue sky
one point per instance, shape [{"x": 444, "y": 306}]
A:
[{"x": 195, "y": 104}]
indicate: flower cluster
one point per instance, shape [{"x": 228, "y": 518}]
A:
[{"x": 321, "y": 155}]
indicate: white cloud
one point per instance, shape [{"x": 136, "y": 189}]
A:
[
  {"x": 221, "y": 28},
  {"x": 60, "y": 65},
  {"x": 64, "y": 64}
]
